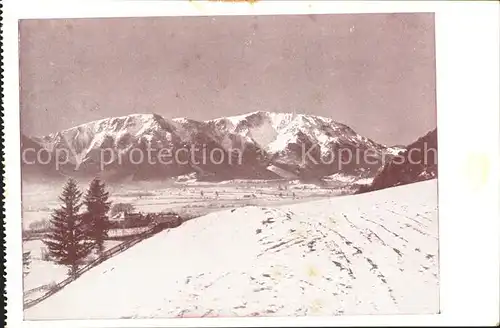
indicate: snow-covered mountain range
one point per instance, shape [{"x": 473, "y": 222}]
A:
[{"x": 245, "y": 146}]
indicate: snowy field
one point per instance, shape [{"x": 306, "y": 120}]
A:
[
  {"x": 186, "y": 196},
  {"x": 42, "y": 273},
  {"x": 374, "y": 253}
]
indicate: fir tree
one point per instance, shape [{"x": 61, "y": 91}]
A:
[
  {"x": 67, "y": 242},
  {"x": 96, "y": 218},
  {"x": 26, "y": 262}
]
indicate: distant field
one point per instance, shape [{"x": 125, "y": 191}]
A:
[{"x": 188, "y": 198}]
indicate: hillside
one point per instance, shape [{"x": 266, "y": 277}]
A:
[
  {"x": 375, "y": 253},
  {"x": 418, "y": 162}
]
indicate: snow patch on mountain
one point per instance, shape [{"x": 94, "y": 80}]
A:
[{"x": 395, "y": 150}]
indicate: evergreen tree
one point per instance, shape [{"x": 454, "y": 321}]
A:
[
  {"x": 67, "y": 242},
  {"x": 26, "y": 262},
  {"x": 96, "y": 218}
]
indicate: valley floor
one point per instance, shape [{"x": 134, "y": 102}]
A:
[
  {"x": 374, "y": 253},
  {"x": 187, "y": 198}
]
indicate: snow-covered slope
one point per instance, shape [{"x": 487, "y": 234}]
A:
[
  {"x": 115, "y": 132},
  {"x": 273, "y": 131},
  {"x": 375, "y": 253},
  {"x": 276, "y": 132}
]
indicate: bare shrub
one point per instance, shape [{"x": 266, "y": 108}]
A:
[
  {"x": 121, "y": 208},
  {"x": 40, "y": 226}
]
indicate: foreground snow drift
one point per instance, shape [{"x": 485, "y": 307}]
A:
[{"x": 363, "y": 254}]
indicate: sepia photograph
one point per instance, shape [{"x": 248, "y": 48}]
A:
[
  {"x": 281, "y": 165},
  {"x": 250, "y": 163},
  {"x": 225, "y": 166}
]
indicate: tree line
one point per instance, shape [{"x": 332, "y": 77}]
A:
[{"x": 74, "y": 233}]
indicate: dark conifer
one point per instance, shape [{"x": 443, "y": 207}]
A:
[
  {"x": 97, "y": 202},
  {"x": 67, "y": 241}
]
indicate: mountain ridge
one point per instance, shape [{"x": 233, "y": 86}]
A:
[{"x": 297, "y": 143}]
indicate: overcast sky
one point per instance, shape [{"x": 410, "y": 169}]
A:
[{"x": 373, "y": 72}]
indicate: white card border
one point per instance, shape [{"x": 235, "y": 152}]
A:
[{"x": 467, "y": 46}]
